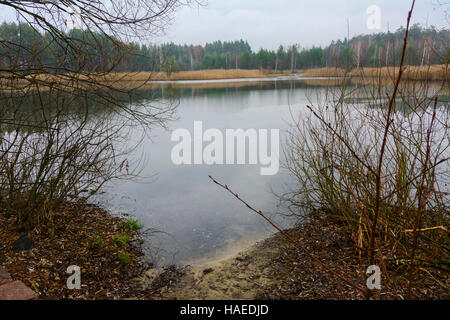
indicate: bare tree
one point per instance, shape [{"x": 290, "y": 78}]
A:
[{"x": 65, "y": 107}]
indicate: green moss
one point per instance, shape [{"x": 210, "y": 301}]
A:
[
  {"x": 133, "y": 224},
  {"x": 121, "y": 239},
  {"x": 96, "y": 243},
  {"x": 124, "y": 257}
]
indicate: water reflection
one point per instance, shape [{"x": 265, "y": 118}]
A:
[{"x": 199, "y": 220}]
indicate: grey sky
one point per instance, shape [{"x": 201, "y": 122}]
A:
[{"x": 269, "y": 23}]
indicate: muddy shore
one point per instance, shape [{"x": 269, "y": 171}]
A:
[
  {"x": 275, "y": 268},
  {"x": 239, "y": 277},
  {"x": 258, "y": 272}
]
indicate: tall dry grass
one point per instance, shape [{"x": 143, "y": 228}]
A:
[
  {"x": 123, "y": 79},
  {"x": 375, "y": 159},
  {"x": 22, "y": 83},
  {"x": 217, "y": 74},
  {"x": 324, "y": 72},
  {"x": 434, "y": 72}
]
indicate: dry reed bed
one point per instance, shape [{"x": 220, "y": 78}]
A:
[
  {"x": 187, "y": 75},
  {"x": 324, "y": 72},
  {"x": 434, "y": 72},
  {"x": 143, "y": 79},
  {"x": 122, "y": 79}
]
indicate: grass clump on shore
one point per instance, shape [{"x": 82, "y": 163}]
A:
[
  {"x": 124, "y": 257},
  {"x": 121, "y": 239},
  {"x": 133, "y": 224}
]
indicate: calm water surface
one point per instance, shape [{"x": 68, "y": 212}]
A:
[{"x": 197, "y": 220}]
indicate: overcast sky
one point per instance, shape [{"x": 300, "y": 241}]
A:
[{"x": 269, "y": 23}]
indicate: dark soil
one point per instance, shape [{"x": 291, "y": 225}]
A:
[
  {"x": 111, "y": 258},
  {"x": 276, "y": 269},
  {"x": 296, "y": 276},
  {"x": 109, "y": 255}
]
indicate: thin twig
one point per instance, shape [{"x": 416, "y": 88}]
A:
[{"x": 364, "y": 292}]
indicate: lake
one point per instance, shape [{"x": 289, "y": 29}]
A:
[{"x": 197, "y": 221}]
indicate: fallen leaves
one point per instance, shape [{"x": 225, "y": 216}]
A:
[
  {"x": 103, "y": 276},
  {"x": 298, "y": 277}
]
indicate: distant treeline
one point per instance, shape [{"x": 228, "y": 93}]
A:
[
  {"x": 22, "y": 45},
  {"x": 426, "y": 46}
]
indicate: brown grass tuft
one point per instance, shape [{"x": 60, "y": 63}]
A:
[{"x": 324, "y": 72}]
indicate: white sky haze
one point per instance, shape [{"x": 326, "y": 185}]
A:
[{"x": 269, "y": 23}]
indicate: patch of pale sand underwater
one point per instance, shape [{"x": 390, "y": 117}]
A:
[{"x": 241, "y": 276}]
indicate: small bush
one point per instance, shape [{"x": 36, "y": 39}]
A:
[
  {"x": 133, "y": 224},
  {"x": 96, "y": 244},
  {"x": 376, "y": 160},
  {"x": 121, "y": 240},
  {"x": 124, "y": 257}
]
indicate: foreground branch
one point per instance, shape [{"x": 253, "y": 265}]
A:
[{"x": 364, "y": 292}]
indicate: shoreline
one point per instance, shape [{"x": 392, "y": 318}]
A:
[
  {"x": 274, "y": 269},
  {"x": 107, "y": 249},
  {"x": 211, "y": 78},
  {"x": 258, "y": 272},
  {"x": 252, "y": 274},
  {"x": 433, "y": 72}
]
